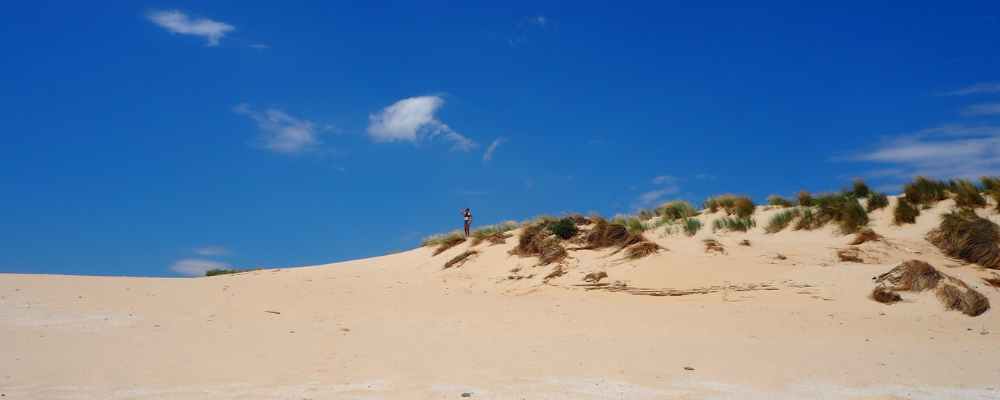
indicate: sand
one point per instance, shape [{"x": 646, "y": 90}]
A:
[{"x": 401, "y": 327}]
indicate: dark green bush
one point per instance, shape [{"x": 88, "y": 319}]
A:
[
  {"x": 925, "y": 192},
  {"x": 852, "y": 216},
  {"x": 859, "y": 189},
  {"x": 805, "y": 199},
  {"x": 734, "y": 224},
  {"x": 967, "y": 194},
  {"x": 564, "y": 228},
  {"x": 905, "y": 213},
  {"x": 743, "y": 207},
  {"x": 676, "y": 209},
  {"x": 877, "y": 201},
  {"x": 691, "y": 226},
  {"x": 990, "y": 183},
  {"x": 779, "y": 201}
]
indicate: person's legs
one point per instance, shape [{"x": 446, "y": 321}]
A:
[{"x": 466, "y": 228}]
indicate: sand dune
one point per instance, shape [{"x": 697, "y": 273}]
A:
[{"x": 745, "y": 323}]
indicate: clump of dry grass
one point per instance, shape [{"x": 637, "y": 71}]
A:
[
  {"x": 918, "y": 276},
  {"x": 741, "y": 206},
  {"x": 990, "y": 183},
  {"x": 605, "y": 234},
  {"x": 640, "y": 250},
  {"x": 745, "y": 242},
  {"x": 993, "y": 281},
  {"x": 910, "y": 276},
  {"x": 676, "y": 209},
  {"x": 865, "y": 235},
  {"x": 966, "y": 194},
  {"x": 925, "y": 192},
  {"x": 713, "y": 246},
  {"x": 805, "y": 199},
  {"x": 781, "y": 220},
  {"x": 850, "y": 255},
  {"x": 905, "y": 212},
  {"x": 460, "y": 259},
  {"x": 556, "y": 272},
  {"x": 536, "y": 240},
  {"x": 445, "y": 241},
  {"x": 495, "y": 234},
  {"x": 778, "y": 201},
  {"x": 886, "y": 296},
  {"x": 595, "y": 277},
  {"x": 965, "y": 235},
  {"x": 876, "y": 201}
]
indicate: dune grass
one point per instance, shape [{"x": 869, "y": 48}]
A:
[
  {"x": 781, "y": 220},
  {"x": 691, "y": 226},
  {"x": 807, "y": 219},
  {"x": 841, "y": 208},
  {"x": 805, "y": 199},
  {"x": 741, "y": 206},
  {"x": 676, "y": 209},
  {"x": 538, "y": 241},
  {"x": 859, "y": 189},
  {"x": 733, "y": 224},
  {"x": 224, "y": 271},
  {"x": 444, "y": 241},
  {"x": 925, "y": 192},
  {"x": 966, "y": 194},
  {"x": 967, "y": 236},
  {"x": 564, "y": 228},
  {"x": 640, "y": 250},
  {"x": 877, "y": 201},
  {"x": 493, "y": 233},
  {"x": 778, "y": 201},
  {"x": 460, "y": 259},
  {"x": 905, "y": 213}
]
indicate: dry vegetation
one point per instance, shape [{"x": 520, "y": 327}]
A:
[
  {"x": 905, "y": 212},
  {"x": 495, "y": 234},
  {"x": 713, "y": 246},
  {"x": 740, "y": 206},
  {"x": 918, "y": 276},
  {"x": 865, "y": 235},
  {"x": 965, "y": 235},
  {"x": 850, "y": 255},
  {"x": 460, "y": 259},
  {"x": 538, "y": 241},
  {"x": 640, "y": 250},
  {"x": 445, "y": 241}
]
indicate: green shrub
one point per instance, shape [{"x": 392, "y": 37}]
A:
[
  {"x": 859, "y": 189},
  {"x": 781, "y": 220},
  {"x": 779, "y": 201},
  {"x": 877, "y": 201},
  {"x": 852, "y": 216},
  {"x": 723, "y": 201},
  {"x": 967, "y": 194},
  {"x": 645, "y": 215},
  {"x": 743, "y": 207},
  {"x": 807, "y": 220},
  {"x": 925, "y": 192},
  {"x": 634, "y": 226},
  {"x": 691, "y": 226},
  {"x": 805, "y": 199},
  {"x": 223, "y": 271},
  {"x": 740, "y": 206},
  {"x": 564, "y": 228},
  {"x": 734, "y": 224},
  {"x": 905, "y": 213},
  {"x": 995, "y": 194},
  {"x": 676, "y": 209}
]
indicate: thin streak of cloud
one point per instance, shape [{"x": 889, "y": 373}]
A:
[
  {"x": 946, "y": 151},
  {"x": 488, "y": 155},
  {"x": 211, "y": 251},
  {"x": 177, "y": 22},
  {"x": 659, "y": 180},
  {"x": 982, "y": 109},
  {"x": 281, "y": 132},
  {"x": 979, "y": 88}
]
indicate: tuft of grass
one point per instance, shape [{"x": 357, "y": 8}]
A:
[
  {"x": 910, "y": 276},
  {"x": 495, "y": 234},
  {"x": 676, "y": 209},
  {"x": 967, "y": 236},
  {"x": 691, "y": 226},
  {"x": 859, "y": 189},
  {"x": 713, "y": 246},
  {"x": 905, "y": 213},
  {"x": 925, "y": 191},
  {"x": 743, "y": 207},
  {"x": 634, "y": 226},
  {"x": 865, "y": 235},
  {"x": 224, "y": 271},
  {"x": 609, "y": 234},
  {"x": 990, "y": 183},
  {"x": 444, "y": 241},
  {"x": 877, "y": 201},
  {"x": 733, "y": 224},
  {"x": 995, "y": 194},
  {"x": 564, "y": 228},
  {"x": 852, "y": 216},
  {"x": 779, "y": 201},
  {"x": 805, "y": 199},
  {"x": 640, "y": 250},
  {"x": 967, "y": 194},
  {"x": 781, "y": 220},
  {"x": 963, "y": 298},
  {"x": 740, "y": 206},
  {"x": 886, "y": 296},
  {"x": 537, "y": 240},
  {"x": 806, "y": 220},
  {"x": 842, "y": 208},
  {"x": 460, "y": 259}
]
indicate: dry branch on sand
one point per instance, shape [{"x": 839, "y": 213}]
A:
[
  {"x": 850, "y": 255},
  {"x": 883, "y": 295},
  {"x": 967, "y": 236},
  {"x": 865, "y": 235},
  {"x": 595, "y": 277},
  {"x": 460, "y": 259},
  {"x": 918, "y": 276},
  {"x": 713, "y": 246},
  {"x": 556, "y": 272},
  {"x": 640, "y": 250}
]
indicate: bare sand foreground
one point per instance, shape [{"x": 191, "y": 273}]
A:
[{"x": 401, "y": 327}]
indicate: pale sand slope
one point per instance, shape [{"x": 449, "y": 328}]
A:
[{"x": 400, "y": 327}]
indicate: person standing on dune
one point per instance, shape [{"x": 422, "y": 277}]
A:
[{"x": 467, "y": 214}]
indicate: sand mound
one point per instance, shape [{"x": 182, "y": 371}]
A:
[
  {"x": 965, "y": 235},
  {"x": 919, "y": 276}
]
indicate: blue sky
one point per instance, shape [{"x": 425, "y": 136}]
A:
[{"x": 164, "y": 138}]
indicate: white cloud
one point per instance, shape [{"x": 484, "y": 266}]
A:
[
  {"x": 985, "y": 87},
  {"x": 488, "y": 155},
  {"x": 982, "y": 109},
  {"x": 211, "y": 251},
  {"x": 413, "y": 120},
  {"x": 652, "y": 197},
  {"x": 178, "y": 22},
  {"x": 945, "y": 152},
  {"x": 281, "y": 132},
  {"x": 196, "y": 267}
]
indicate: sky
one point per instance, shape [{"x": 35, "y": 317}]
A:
[{"x": 171, "y": 137}]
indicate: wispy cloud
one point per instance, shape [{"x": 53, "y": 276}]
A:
[
  {"x": 211, "y": 251},
  {"x": 982, "y": 109},
  {"x": 944, "y": 151},
  {"x": 667, "y": 184},
  {"x": 488, "y": 155},
  {"x": 979, "y": 88},
  {"x": 412, "y": 120},
  {"x": 196, "y": 266},
  {"x": 525, "y": 27},
  {"x": 260, "y": 46},
  {"x": 281, "y": 132},
  {"x": 180, "y": 23},
  {"x": 662, "y": 179}
]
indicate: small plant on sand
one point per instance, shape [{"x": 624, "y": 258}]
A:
[
  {"x": 852, "y": 216},
  {"x": 733, "y": 224},
  {"x": 608, "y": 234},
  {"x": 836, "y": 207},
  {"x": 223, "y": 271},
  {"x": 925, "y": 192},
  {"x": 640, "y": 250},
  {"x": 634, "y": 226},
  {"x": 905, "y": 213},
  {"x": 495, "y": 234},
  {"x": 691, "y": 226},
  {"x": 967, "y": 194},
  {"x": 444, "y": 241},
  {"x": 807, "y": 220},
  {"x": 743, "y": 207},
  {"x": 536, "y": 240},
  {"x": 460, "y": 259},
  {"x": 805, "y": 199},
  {"x": 967, "y": 236},
  {"x": 990, "y": 183},
  {"x": 779, "y": 201},
  {"x": 919, "y": 276},
  {"x": 676, "y": 209},
  {"x": 564, "y": 228},
  {"x": 877, "y": 201},
  {"x": 781, "y": 220},
  {"x": 859, "y": 189}
]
